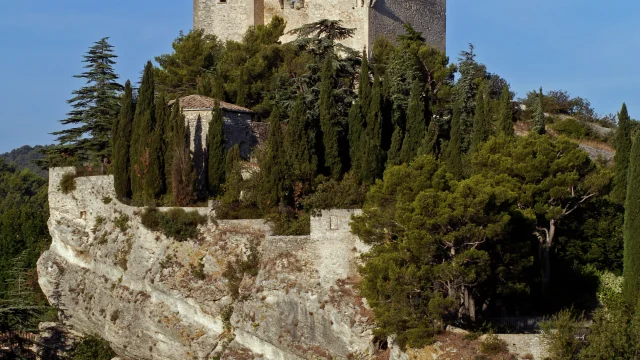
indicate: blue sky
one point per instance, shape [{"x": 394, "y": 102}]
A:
[{"x": 589, "y": 48}]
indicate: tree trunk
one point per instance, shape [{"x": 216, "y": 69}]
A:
[{"x": 545, "y": 241}]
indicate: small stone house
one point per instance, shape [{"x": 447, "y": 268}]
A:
[{"x": 238, "y": 127}]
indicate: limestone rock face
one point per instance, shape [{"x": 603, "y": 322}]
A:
[{"x": 235, "y": 292}]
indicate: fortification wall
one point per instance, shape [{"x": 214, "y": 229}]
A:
[
  {"x": 370, "y": 18},
  {"x": 228, "y": 20},
  {"x": 427, "y": 16},
  {"x": 353, "y": 14},
  {"x": 153, "y": 297}
]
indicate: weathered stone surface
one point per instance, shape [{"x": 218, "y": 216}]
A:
[
  {"x": 370, "y": 18},
  {"x": 152, "y": 297}
]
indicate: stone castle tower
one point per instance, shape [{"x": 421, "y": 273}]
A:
[{"x": 229, "y": 19}]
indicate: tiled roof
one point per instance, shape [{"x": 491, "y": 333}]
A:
[{"x": 192, "y": 102}]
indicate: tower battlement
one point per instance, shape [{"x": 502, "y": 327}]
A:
[{"x": 229, "y": 19}]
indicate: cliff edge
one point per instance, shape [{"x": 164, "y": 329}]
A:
[{"x": 234, "y": 292}]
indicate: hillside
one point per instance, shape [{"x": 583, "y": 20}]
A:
[{"x": 25, "y": 156}]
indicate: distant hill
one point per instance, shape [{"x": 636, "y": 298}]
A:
[{"x": 23, "y": 157}]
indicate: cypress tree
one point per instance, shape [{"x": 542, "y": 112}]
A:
[
  {"x": 364, "y": 85},
  {"x": 373, "y": 157},
  {"x": 143, "y": 126},
  {"x": 505, "y": 113},
  {"x": 621, "y": 159},
  {"x": 429, "y": 145},
  {"x": 538, "y": 121},
  {"x": 328, "y": 127},
  {"x": 416, "y": 124},
  {"x": 454, "y": 149},
  {"x": 170, "y": 129},
  {"x": 356, "y": 132},
  {"x": 275, "y": 166},
  {"x": 216, "y": 151},
  {"x": 182, "y": 172},
  {"x": 481, "y": 121},
  {"x": 156, "y": 176},
  {"x": 631, "y": 230},
  {"x": 299, "y": 142},
  {"x": 233, "y": 175},
  {"x": 121, "y": 143},
  {"x": 394, "y": 156}
]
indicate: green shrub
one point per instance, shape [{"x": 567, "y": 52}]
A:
[
  {"x": 290, "y": 223},
  {"x": 560, "y": 336},
  {"x": 99, "y": 222},
  {"x": 68, "y": 183},
  {"x": 122, "y": 222},
  {"x": 175, "y": 223},
  {"x": 493, "y": 345},
  {"x": 238, "y": 210},
  {"x": 572, "y": 128},
  {"x": 93, "y": 347},
  {"x": 107, "y": 200},
  {"x": 348, "y": 193}
]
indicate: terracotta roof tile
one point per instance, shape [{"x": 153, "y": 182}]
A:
[{"x": 205, "y": 102}]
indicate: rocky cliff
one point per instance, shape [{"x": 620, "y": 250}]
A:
[{"x": 234, "y": 292}]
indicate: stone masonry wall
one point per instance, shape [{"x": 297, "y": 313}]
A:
[
  {"x": 353, "y": 14},
  {"x": 228, "y": 20},
  {"x": 427, "y": 16},
  {"x": 370, "y": 18},
  {"x": 155, "y": 298}
]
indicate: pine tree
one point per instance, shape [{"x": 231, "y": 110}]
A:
[
  {"x": 454, "y": 149},
  {"x": 631, "y": 232},
  {"x": 328, "y": 126},
  {"x": 143, "y": 126},
  {"x": 94, "y": 108},
  {"x": 274, "y": 167},
  {"x": 373, "y": 157},
  {"x": 182, "y": 171},
  {"x": 416, "y": 124},
  {"x": 216, "y": 151},
  {"x": 538, "y": 122},
  {"x": 621, "y": 159},
  {"x": 121, "y": 144},
  {"x": 481, "y": 120},
  {"x": 505, "y": 112},
  {"x": 299, "y": 143}
]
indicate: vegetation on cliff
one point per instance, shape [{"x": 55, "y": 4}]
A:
[{"x": 467, "y": 222}]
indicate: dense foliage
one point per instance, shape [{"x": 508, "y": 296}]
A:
[
  {"x": 448, "y": 249},
  {"x": 176, "y": 223},
  {"x": 25, "y": 157},
  {"x": 466, "y": 221},
  {"x": 94, "y": 108}
]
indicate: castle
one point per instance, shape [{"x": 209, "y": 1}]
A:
[{"x": 229, "y": 19}]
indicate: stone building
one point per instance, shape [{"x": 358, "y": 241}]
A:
[
  {"x": 239, "y": 129},
  {"x": 229, "y": 19}
]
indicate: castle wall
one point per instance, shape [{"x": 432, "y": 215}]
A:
[
  {"x": 427, "y": 16},
  {"x": 353, "y": 14},
  {"x": 228, "y": 20},
  {"x": 370, "y": 18}
]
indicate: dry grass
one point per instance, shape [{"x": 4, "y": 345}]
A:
[
  {"x": 450, "y": 346},
  {"x": 597, "y": 145}
]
